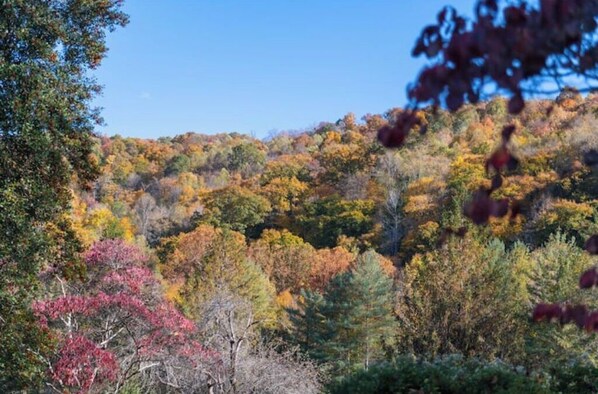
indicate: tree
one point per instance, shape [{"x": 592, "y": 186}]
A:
[
  {"x": 46, "y": 129},
  {"x": 371, "y": 287},
  {"x": 322, "y": 221},
  {"x": 309, "y": 323},
  {"x": 449, "y": 374},
  {"x": 349, "y": 324},
  {"x": 468, "y": 297},
  {"x": 554, "y": 279},
  {"x": 284, "y": 257},
  {"x": 235, "y": 208},
  {"x": 341, "y": 159},
  {"x": 327, "y": 264},
  {"x": 285, "y": 194},
  {"x": 393, "y": 221},
  {"x": 288, "y": 166},
  {"x": 247, "y": 364},
  {"x": 457, "y": 374},
  {"x": 146, "y": 210},
  {"x": 177, "y": 165},
  {"x": 574, "y": 219},
  {"x": 246, "y": 158},
  {"x": 114, "y": 327},
  {"x": 101, "y": 223},
  {"x": 208, "y": 260}
]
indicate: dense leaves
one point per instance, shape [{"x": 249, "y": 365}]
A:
[
  {"x": 235, "y": 208},
  {"x": 115, "y": 325},
  {"x": 350, "y": 323},
  {"x": 46, "y": 124},
  {"x": 455, "y": 374},
  {"x": 275, "y": 265},
  {"x": 458, "y": 288}
]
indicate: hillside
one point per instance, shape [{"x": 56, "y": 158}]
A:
[
  {"x": 447, "y": 246},
  {"x": 335, "y": 186},
  {"x": 325, "y": 222}
]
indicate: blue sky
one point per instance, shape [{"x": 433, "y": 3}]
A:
[{"x": 258, "y": 66}]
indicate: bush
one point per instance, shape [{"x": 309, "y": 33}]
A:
[
  {"x": 578, "y": 377},
  {"x": 449, "y": 374},
  {"x": 456, "y": 374}
]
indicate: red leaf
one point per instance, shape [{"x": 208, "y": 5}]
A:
[
  {"x": 391, "y": 137},
  {"x": 575, "y": 314},
  {"x": 592, "y": 322},
  {"x": 516, "y": 104},
  {"x": 592, "y": 244},
  {"x": 479, "y": 208},
  {"x": 547, "y": 312},
  {"x": 507, "y": 132},
  {"x": 454, "y": 102},
  {"x": 499, "y": 159},
  {"x": 515, "y": 209},
  {"x": 515, "y": 15},
  {"x": 588, "y": 279},
  {"x": 499, "y": 208}
]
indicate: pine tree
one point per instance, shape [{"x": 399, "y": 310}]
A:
[
  {"x": 348, "y": 325},
  {"x": 371, "y": 288},
  {"x": 308, "y": 323}
]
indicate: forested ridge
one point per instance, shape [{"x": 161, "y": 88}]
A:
[
  {"x": 420, "y": 250},
  {"x": 357, "y": 254}
]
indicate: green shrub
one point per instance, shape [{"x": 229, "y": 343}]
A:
[
  {"x": 577, "y": 377},
  {"x": 449, "y": 374}
]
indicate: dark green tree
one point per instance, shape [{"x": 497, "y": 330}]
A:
[
  {"x": 372, "y": 290},
  {"x": 177, "y": 165},
  {"x": 450, "y": 374},
  {"x": 235, "y": 208},
  {"x": 47, "y": 48},
  {"x": 246, "y": 158},
  {"x": 308, "y": 323},
  {"x": 322, "y": 221},
  {"x": 349, "y": 325}
]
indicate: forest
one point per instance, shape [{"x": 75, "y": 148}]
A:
[{"x": 318, "y": 261}]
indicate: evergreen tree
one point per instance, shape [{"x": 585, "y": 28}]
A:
[
  {"x": 308, "y": 323},
  {"x": 348, "y": 325},
  {"x": 371, "y": 288}
]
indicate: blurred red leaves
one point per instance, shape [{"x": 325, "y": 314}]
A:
[
  {"x": 481, "y": 207},
  {"x": 394, "y": 136},
  {"x": 591, "y": 323},
  {"x": 588, "y": 279},
  {"x": 591, "y": 245},
  {"x": 567, "y": 314},
  {"x": 516, "y": 104},
  {"x": 502, "y": 159},
  {"x": 506, "y": 48},
  {"x": 549, "y": 312},
  {"x": 391, "y": 137},
  {"x": 576, "y": 314}
]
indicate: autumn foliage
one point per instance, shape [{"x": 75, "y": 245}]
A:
[
  {"x": 516, "y": 49},
  {"x": 115, "y": 325},
  {"x": 226, "y": 264}
]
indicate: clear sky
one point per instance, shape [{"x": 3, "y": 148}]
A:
[{"x": 257, "y": 66}]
